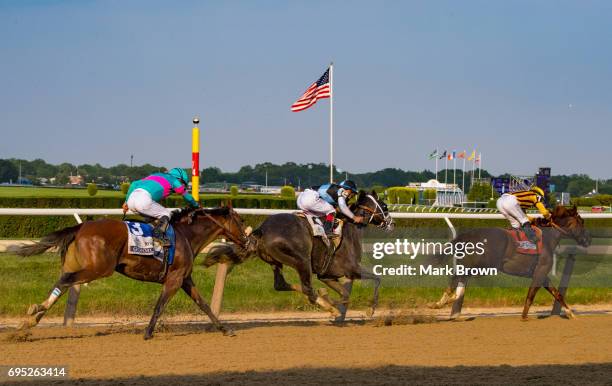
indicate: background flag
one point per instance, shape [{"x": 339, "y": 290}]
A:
[
  {"x": 471, "y": 157},
  {"x": 461, "y": 155},
  {"x": 318, "y": 90},
  {"x": 433, "y": 154},
  {"x": 443, "y": 155},
  {"x": 451, "y": 156}
]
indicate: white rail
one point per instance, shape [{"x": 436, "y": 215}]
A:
[{"x": 262, "y": 212}]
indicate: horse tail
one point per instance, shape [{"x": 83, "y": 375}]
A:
[
  {"x": 232, "y": 253},
  {"x": 60, "y": 239}
]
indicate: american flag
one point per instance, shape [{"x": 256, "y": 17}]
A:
[{"x": 318, "y": 90}]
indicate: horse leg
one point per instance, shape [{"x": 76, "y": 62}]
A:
[
  {"x": 191, "y": 290},
  {"x": 539, "y": 279},
  {"x": 280, "y": 284},
  {"x": 171, "y": 285},
  {"x": 528, "y": 302},
  {"x": 66, "y": 280},
  {"x": 448, "y": 296},
  {"x": 363, "y": 275},
  {"x": 306, "y": 287},
  {"x": 460, "y": 285},
  {"x": 344, "y": 291},
  {"x": 558, "y": 297}
]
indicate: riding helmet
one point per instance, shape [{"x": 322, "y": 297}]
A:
[
  {"x": 349, "y": 185},
  {"x": 180, "y": 174},
  {"x": 538, "y": 191}
]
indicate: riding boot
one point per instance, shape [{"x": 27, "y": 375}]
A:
[
  {"x": 159, "y": 232},
  {"x": 529, "y": 232},
  {"x": 328, "y": 225}
]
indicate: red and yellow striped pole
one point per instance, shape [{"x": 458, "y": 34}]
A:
[{"x": 195, "y": 159}]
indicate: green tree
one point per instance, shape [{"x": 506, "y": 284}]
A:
[
  {"x": 8, "y": 171},
  {"x": 234, "y": 191},
  {"x": 481, "y": 193},
  {"x": 92, "y": 189},
  {"x": 125, "y": 187},
  {"x": 288, "y": 192}
]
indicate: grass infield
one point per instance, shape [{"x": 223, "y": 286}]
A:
[{"x": 24, "y": 281}]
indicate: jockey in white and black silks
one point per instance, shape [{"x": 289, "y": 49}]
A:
[
  {"x": 324, "y": 200},
  {"x": 144, "y": 196}
]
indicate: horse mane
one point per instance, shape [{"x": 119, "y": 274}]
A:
[{"x": 179, "y": 215}]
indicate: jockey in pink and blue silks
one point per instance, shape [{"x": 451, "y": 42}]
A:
[{"x": 144, "y": 195}]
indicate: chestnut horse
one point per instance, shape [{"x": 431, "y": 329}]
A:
[
  {"x": 500, "y": 252},
  {"x": 97, "y": 249}
]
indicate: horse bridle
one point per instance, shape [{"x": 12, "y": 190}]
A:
[
  {"x": 244, "y": 243},
  {"x": 375, "y": 212}
]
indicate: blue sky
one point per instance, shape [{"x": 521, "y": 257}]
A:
[{"x": 526, "y": 83}]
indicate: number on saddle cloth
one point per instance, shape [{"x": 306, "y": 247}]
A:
[
  {"x": 141, "y": 241},
  {"x": 523, "y": 244}
]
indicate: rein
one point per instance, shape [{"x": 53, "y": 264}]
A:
[
  {"x": 226, "y": 231},
  {"x": 560, "y": 229},
  {"x": 374, "y": 212}
]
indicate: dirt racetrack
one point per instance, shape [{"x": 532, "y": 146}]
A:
[{"x": 484, "y": 350}]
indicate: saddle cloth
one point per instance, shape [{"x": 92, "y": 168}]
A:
[
  {"x": 315, "y": 224},
  {"x": 141, "y": 241},
  {"x": 523, "y": 245}
]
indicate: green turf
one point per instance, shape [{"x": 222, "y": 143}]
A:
[
  {"x": 24, "y": 191},
  {"x": 24, "y": 281}
]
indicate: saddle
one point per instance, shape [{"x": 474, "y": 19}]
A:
[
  {"x": 523, "y": 245},
  {"x": 141, "y": 242},
  {"x": 317, "y": 230}
]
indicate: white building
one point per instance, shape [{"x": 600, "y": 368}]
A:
[{"x": 446, "y": 194}]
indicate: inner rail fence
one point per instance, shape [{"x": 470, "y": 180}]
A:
[{"x": 397, "y": 212}]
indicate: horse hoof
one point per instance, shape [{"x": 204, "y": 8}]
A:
[
  {"x": 370, "y": 312},
  {"x": 34, "y": 309},
  {"x": 322, "y": 292},
  {"x": 570, "y": 315},
  {"x": 148, "y": 336},
  {"x": 335, "y": 312},
  {"x": 25, "y": 325},
  {"x": 524, "y": 319},
  {"x": 340, "y": 319},
  {"x": 228, "y": 332}
]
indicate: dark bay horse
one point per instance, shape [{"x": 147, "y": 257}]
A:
[
  {"x": 500, "y": 252},
  {"x": 286, "y": 239},
  {"x": 97, "y": 249}
]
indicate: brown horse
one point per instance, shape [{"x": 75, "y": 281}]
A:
[
  {"x": 97, "y": 249},
  {"x": 500, "y": 252}
]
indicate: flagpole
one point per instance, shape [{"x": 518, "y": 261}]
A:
[
  {"x": 454, "y": 169},
  {"x": 331, "y": 122},
  {"x": 446, "y": 169},
  {"x": 436, "y": 153},
  {"x": 479, "y": 164},
  {"x": 463, "y": 174}
]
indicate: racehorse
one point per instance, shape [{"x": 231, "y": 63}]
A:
[
  {"x": 97, "y": 249},
  {"x": 500, "y": 252},
  {"x": 287, "y": 239}
]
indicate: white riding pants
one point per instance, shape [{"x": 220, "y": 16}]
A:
[
  {"x": 509, "y": 206},
  {"x": 310, "y": 202},
  {"x": 140, "y": 201}
]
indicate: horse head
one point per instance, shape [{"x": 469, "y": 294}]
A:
[
  {"x": 569, "y": 223},
  {"x": 373, "y": 210},
  {"x": 224, "y": 217}
]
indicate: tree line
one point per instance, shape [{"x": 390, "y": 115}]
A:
[{"x": 289, "y": 173}]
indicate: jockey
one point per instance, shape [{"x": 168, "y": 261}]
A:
[
  {"x": 323, "y": 200},
  {"x": 144, "y": 195},
  {"x": 513, "y": 205}
]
